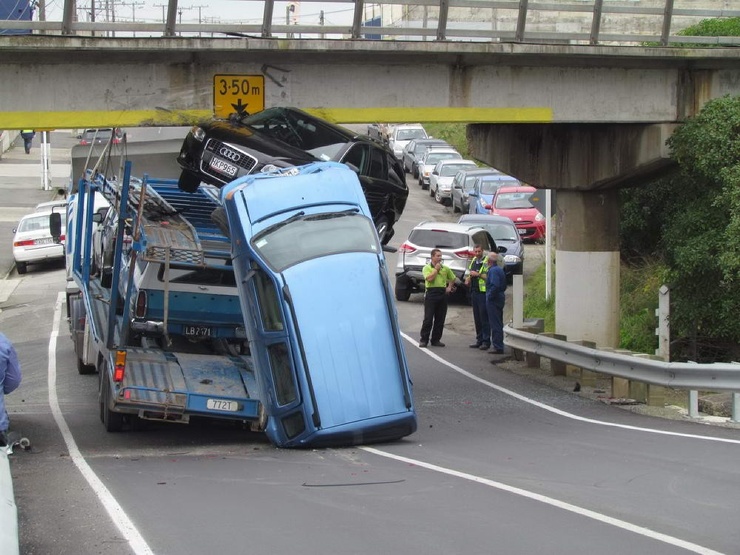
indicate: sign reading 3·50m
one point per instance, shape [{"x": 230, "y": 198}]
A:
[{"x": 238, "y": 94}]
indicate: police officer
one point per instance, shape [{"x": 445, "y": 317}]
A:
[
  {"x": 439, "y": 281},
  {"x": 475, "y": 280}
]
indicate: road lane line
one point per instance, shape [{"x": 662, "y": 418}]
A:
[
  {"x": 652, "y": 534},
  {"x": 559, "y": 412},
  {"x": 115, "y": 511}
]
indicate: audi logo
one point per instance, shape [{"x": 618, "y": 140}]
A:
[{"x": 229, "y": 154}]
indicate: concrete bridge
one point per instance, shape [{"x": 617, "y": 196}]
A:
[{"x": 584, "y": 119}]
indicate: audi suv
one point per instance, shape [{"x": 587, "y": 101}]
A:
[{"x": 218, "y": 151}]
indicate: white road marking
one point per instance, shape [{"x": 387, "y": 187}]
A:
[
  {"x": 115, "y": 511},
  {"x": 543, "y": 498},
  {"x": 558, "y": 411},
  {"x": 652, "y": 534}
]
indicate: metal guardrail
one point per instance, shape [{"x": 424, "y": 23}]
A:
[
  {"x": 588, "y": 22},
  {"x": 679, "y": 375}
]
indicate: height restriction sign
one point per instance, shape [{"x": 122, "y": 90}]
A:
[{"x": 238, "y": 94}]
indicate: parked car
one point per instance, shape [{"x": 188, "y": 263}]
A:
[
  {"x": 100, "y": 136},
  {"x": 513, "y": 202},
  {"x": 507, "y": 238},
  {"x": 218, "y": 151},
  {"x": 440, "y": 180},
  {"x": 32, "y": 240},
  {"x": 402, "y": 134},
  {"x": 456, "y": 241},
  {"x": 463, "y": 183},
  {"x": 484, "y": 187},
  {"x": 413, "y": 151},
  {"x": 429, "y": 160}
]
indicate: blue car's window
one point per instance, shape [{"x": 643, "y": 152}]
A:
[
  {"x": 286, "y": 244},
  {"x": 269, "y": 307}
]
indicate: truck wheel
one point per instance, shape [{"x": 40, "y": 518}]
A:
[
  {"x": 112, "y": 421},
  {"x": 21, "y": 267},
  {"x": 83, "y": 368},
  {"x": 402, "y": 291}
]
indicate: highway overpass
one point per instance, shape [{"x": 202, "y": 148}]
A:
[{"x": 581, "y": 118}]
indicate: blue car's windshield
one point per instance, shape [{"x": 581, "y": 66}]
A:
[{"x": 314, "y": 236}]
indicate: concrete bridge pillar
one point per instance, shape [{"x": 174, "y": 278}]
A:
[
  {"x": 586, "y": 164},
  {"x": 587, "y": 266}
]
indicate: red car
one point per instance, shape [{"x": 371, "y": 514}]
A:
[{"x": 513, "y": 203}]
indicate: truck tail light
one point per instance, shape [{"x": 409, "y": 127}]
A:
[
  {"x": 140, "y": 311},
  {"x": 120, "y": 368}
]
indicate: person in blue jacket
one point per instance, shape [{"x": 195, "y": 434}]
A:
[
  {"x": 10, "y": 379},
  {"x": 495, "y": 300}
]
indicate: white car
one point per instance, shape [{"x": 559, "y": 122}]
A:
[
  {"x": 440, "y": 180},
  {"x": 33, "y": 242},
  {"x": 51, "y": 205},
  {"x": 402, "y": 134},
  {"x": 430, "y": 159}
]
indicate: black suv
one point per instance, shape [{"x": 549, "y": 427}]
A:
[{"x": 219, "y": 151}]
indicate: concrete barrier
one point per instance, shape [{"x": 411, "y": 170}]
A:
[{"x": 8, "y": 511}]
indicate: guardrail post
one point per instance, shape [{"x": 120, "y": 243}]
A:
[
  {"x": 558, "y": 368},
  {"x": 585, "y": 377},
  {"x": 620, "y": 386},
  {"x": 652, "y": 395},
  {"x": 693, "y": 404},
  {"x": 535, "y": 326},
  {"x": 736, "y": 407}
]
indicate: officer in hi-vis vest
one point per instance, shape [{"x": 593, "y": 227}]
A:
[{"x": 475, "y": 280}]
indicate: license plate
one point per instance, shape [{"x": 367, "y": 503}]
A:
[
  {"x": 223, "y": 167},
  {"x": 198, "y": 331},
  {"x": 224, "y": 406},
  {"x": 45, "y": 241},
  {"x": 522, "y": 232}
]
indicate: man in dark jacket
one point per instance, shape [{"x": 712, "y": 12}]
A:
[{"x": 495, "y": 300}]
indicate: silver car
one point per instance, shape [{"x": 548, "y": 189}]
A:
[
  {"x": 456, "y": 241},
  {"x": 463, "y": 183},
  {"x": 430, "y": 159},
  {"x": 440, "y": 181}
]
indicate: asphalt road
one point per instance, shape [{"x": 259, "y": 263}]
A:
[{"x": 499, "y": 464}]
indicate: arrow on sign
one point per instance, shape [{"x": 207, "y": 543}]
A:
[{"x": 240, "y": 109}]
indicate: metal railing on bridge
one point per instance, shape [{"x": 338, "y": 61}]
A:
[{"x": 587, "y": 22}]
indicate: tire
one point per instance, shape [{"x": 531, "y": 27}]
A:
[
  {"x": 188, "y": 182},
  {"x": 438, "y": 197},
  {"x": 402, "y": 291},
  {"x": 455, "y": 209},
  {"x": 84, "y": 369},
  {"x": 21, "y": 267},
  {"x": 431, "y": 193},
  {"x": 112, "y": 421},
  {"x": 414, "y": 172}
]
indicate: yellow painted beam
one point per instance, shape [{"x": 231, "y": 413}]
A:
[
  {"x": 75, "y": 120},
  {"x": 435, "y": 114},
  {"x": 157, "y": 118}
]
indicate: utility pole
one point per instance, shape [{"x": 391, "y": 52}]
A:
[
  {"x": 200, "y": 19},
  {"x": 321, "y": 21},
  {"x": 133, "y": 10},
  {"x": 163, "y": 6}
]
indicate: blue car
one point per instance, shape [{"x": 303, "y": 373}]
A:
[
  {"x": 318, "y": 308},
  {"x": 485, "y": 186}
]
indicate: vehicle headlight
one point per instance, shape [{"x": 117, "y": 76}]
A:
[
  {"x": 198, "y": 133},
  {"x": 539, "y": 217},
  {"x": 512, "y": 259}
]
